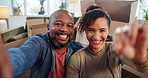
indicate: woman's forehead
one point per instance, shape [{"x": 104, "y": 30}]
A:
[{"x": 99, "y": 21}]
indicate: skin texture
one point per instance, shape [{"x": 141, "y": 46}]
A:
[
  {"x": 5, "y": 66},
  {"x": 132, "y": 43},
  {"x": 61, "y": 28},
  {"x": 97, "y": 34}
]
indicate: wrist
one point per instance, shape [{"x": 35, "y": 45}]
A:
[{"x": 145, "y": 64}]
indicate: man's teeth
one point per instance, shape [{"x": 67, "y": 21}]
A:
[{"x": 63, "y": 36}]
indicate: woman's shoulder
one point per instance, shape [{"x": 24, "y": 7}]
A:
[{"x": 79, "y": 53}]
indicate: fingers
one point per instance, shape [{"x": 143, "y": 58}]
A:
[
  {"x": 127, "y": 49},
  {"x": 117, "y": 41},
  {"x": 132, "y": 42},
  {"x": 119, "y": 36},
  {"x": 120, "y": 39},
  {"x": 145, "y": 26},
  {"x": 122, "y": 43},
  {"x": 133, "y": 32},
  {"x": 143, "y": 31},
  {"x": 142, "y": 36},
  {"x": 141, "y": 43}
]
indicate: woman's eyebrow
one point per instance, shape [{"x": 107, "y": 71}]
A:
[{"x": 103, "y": 28}]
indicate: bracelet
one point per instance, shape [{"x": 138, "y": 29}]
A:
[{"x": 144, "y": 64}]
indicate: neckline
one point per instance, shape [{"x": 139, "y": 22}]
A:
[{"x": 96, "y": 53}]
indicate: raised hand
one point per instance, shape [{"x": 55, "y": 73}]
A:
[{"x": 131, "y": 42}]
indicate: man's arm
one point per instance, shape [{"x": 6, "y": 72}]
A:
[
  {"x": 5, "y": 66},
  {"x": 24, "y": 57}
]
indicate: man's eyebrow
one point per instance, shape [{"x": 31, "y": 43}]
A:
[
  {"x": 58, "y": 21},
  {"x": 71, "y": 23},
  {"x": 62, "y": 22}
]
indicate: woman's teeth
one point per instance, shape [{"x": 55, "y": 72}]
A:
[{"x": 96, "y": 41}]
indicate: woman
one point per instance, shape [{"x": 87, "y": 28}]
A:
[{"x": 101, "y": 59}]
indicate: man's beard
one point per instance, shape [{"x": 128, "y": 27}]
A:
[{"x": 59, "y": 45}]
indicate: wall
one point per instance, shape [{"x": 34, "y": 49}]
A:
[
  {"x": 115, "y": 24},
  {"x": 85, "y": 4},
  {"x": 17, "y": 21},
  {"x": 118, "y": 10},
  {"x": 7, "y": 3}
]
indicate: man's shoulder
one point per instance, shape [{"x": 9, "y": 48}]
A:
[{"x": 38, "y": 38}]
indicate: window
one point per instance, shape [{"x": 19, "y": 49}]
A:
[
  {"x": 142, "y": 5},
  {"x": 32, "y": 7}
]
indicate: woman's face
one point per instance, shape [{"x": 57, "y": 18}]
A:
[{"x": 97, "y": 34}]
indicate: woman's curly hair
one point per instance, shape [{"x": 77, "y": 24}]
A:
[{"x": 90, "y": 17}]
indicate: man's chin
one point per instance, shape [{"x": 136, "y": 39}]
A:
[
  {"x": 58, "y": 43},
  {"x": 61, "y": 44}
]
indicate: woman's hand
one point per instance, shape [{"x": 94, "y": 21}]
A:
[{"x": 131, "y": 42}]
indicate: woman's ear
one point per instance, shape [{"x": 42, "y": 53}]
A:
[
  {"x": 109, "y": 38},
  {"x": 48, "y": 27},
  {"x": 109, "y": 31}
]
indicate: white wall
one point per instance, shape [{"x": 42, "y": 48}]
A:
[
  {"x": 7, "y": 3},
  {"x": 85, "y": 4},
  {"x": 17, "y": 21}
]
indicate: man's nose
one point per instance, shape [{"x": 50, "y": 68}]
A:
[{"x": 64, "y": 28}]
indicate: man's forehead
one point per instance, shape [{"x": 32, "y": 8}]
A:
[
  {"x": 62, "y": 13},
  {"x": 59, "y": 15}
]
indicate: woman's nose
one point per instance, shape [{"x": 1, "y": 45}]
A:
[{"x": 96, "y": 35}]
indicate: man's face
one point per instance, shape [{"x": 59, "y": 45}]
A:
[{"x": 61, "y": 29}]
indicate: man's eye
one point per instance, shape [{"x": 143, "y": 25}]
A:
[
  {"x": 58, "y": 24},
  {"x": 71, "y": 26}
]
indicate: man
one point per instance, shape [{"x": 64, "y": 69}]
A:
[{"x": 46, "y": 55}]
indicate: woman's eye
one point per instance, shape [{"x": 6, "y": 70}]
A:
[
  {"x": 102, "y": 30},
  {"x": 90, "y": 31}
]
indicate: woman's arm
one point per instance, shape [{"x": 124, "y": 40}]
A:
[{"x": 72, "y": 70}]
